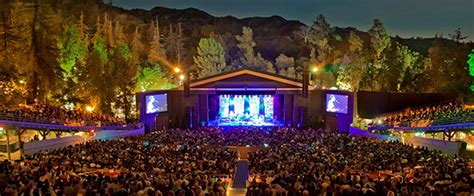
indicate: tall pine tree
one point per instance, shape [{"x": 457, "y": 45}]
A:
[
  {"x": 210, "y": 58},
  {"x": 246, "y": 45}
]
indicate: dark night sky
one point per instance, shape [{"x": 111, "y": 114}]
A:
[{"x": 406, "y": 18}]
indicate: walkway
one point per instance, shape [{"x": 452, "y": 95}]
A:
[{"x": 239, "y": 185}]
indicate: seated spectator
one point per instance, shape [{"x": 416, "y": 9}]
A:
[
  {"x": 196, "y": 162},
  {"x": 43, "y": 113},
  {"x": 449, "y": 113}
]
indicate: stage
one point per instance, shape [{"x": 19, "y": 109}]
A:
[
  {"x": 216, "y": 123},
  {"x": 244, "y": 98}
]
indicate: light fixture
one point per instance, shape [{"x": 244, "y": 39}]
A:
[
  {"x": 177, "y": 69},
  {"x": 315, "y": 69},
  {"x": 89, "y": 108},
  {"x": 181, "y": 77}
]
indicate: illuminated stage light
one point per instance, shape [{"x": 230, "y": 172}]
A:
[{"x": 177, "y": 70}]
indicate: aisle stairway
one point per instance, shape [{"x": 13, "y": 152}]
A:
[
  {"x": 239, "y": 185},
  {"x": 240, "y": 178}
]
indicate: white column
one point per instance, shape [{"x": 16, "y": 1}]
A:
[{"x": 8, "y": 144}]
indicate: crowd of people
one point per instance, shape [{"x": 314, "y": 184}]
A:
[
  {"x": 317, "y": 162},
  {"x": 44, "y": 113},
  {"x": 163, "y": 163},
  {"x": 290, "y": 161},
  {"x": 448, "y": 113}
]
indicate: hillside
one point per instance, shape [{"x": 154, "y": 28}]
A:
[{"x": 274, "y": 35}]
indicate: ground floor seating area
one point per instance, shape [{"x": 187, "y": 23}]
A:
[{"x": 206, "y": 161}]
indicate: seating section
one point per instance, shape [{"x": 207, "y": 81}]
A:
[
  {"x": 49, "y": 114},
  {"x": 440, "y": 114},
  {"x": 288, "y": 161}
]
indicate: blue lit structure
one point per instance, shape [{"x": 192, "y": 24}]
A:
[
  {"x": 245, "y": 98},
  {"x": 251, "y": 110}
]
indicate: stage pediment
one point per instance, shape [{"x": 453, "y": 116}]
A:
[{"x": 247, "y": 79}]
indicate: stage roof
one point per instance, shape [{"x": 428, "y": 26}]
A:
[{"x": 245, "y": 79}]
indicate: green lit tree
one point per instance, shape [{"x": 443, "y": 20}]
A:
[
  {"x": 470, "y": 62},
  {"x": 210, "y": 58},
  {"x": 152, "y": 78},
  {"x": 73, "y": 50}
]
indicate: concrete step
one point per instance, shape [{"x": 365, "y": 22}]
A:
[{"x": 237, "y": 192}]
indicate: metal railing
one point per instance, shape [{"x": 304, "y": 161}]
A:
[
  {"x": 430, "y": 122},
  {"x": 13, "y": 147},
  {"x": 73, "y": 123}
]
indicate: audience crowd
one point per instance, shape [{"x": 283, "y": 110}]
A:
[
  {"x": 449, "y": 113},
  {"x": 163, "y": 163},
  {"x": 44, "y": 113},
  {"x": 316, "y": 162},
  {"x": 289, "y": 161}
]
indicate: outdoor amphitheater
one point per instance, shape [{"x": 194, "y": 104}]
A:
[
  {"x": 236, "y": 98},
  {"x": 244, "y": 133}
]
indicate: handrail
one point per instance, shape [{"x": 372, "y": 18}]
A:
[
  {"x": 55, "y": 122},
  {"x": 445, "y": 121},
  {"x": 469, "y": 125}
]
